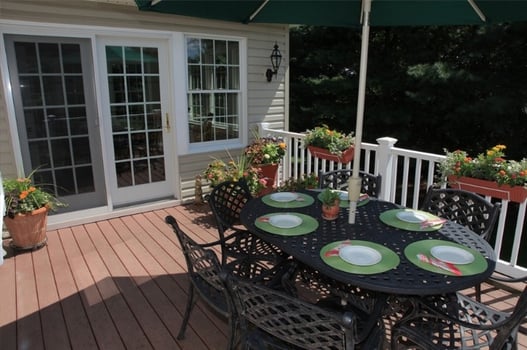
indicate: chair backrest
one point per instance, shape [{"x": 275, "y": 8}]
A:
[
  {"x": 204, "y": 270},
  {"x": 463, "y": 207},
  {"x": 512, "y": 323},
  {"x": 226, "y": 201},
  {"x": 338, "y": 180},
  {"x": 288, "y": 319}
]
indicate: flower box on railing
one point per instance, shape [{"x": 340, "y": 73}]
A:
[
  {"x": 516, "y": 194},
  {"x": 322, "y": 153}
]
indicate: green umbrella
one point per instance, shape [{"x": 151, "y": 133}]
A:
[{"x": 349, "y": 13}]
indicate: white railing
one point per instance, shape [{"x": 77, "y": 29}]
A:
[{"x": 406, "y": 176}]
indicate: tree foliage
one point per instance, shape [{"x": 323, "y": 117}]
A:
[{"x": 429, "y": 87}]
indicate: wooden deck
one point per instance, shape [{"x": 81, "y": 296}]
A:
[{"x": 118, "y": 284}]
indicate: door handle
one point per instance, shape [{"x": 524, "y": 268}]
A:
[{"x": 167, "y": 122}]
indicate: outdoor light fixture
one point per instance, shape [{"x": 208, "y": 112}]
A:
[{"x": 276, "y": 59}]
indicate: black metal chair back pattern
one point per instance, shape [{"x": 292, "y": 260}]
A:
[
  {"x": 204, "y": 272},
  {"x": 272, "y": 319},
  {"x": 463, "y": 207},
  {"x": 471, "y": 325},
  {"x": 338, "y": 180},
  {"x": 226, "y": 201}
]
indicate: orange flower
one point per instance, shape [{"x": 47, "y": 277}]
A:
[
  {"x": 23, "y": 194},
  {"x": 282, "y": 145},
  {"x": 31, "y": 189}
]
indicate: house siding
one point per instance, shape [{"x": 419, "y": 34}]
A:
[{"x": 266, "y": 102}]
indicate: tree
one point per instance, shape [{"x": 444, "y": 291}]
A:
[{"x": 431, "y": 88}]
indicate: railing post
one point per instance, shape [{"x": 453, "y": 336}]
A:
[
  {"x": 385, "y": 158},
  {"x": 261, "y": 129}
]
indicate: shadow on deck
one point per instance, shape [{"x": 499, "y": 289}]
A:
[{"x": 120, "y": 284}]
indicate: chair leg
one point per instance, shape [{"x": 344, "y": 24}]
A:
[
  {"x": 190, "y": 304},
  {"x": 477, "y": 287}
]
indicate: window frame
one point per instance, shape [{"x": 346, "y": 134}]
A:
[{"x": 183, "y": 134}]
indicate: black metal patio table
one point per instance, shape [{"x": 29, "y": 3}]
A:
[{"x": 404, "y": 279}]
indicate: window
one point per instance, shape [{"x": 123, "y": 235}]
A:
[{"x": 213, "y": 89}]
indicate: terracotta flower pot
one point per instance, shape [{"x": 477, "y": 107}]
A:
[
  {"x": 322, "y": 153},
  {"x": 516, "y": 194},
  {"x": 268, "y": 172},
  {"x": 331, "y": 212},
  {"x": 28, "y": 231}
]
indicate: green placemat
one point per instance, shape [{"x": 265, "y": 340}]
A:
[
  {"x": 308, "y": 225},
  {"x": 389, "y": 218},
  {"x": 389, "y": 259},
  {"x": 303, "y": 200},
  {"x": 346, "y": 204},
  {"x": 423, "y": 247}
]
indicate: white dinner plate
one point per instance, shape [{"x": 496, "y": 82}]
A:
[
  {"x": 410, "y": 216},
  {"x": 452, "y": 255},
  {"x": 285, "y": 221},
  {"x": 360, "y": 255},
  {"x": 284, "y": 196},
  {"x": 343, "y": 195}
]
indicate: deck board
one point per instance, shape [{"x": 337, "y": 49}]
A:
[{"x": 120, "y": 284}]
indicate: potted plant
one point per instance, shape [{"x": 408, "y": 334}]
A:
[
  {"x": 488, "y": 173},
  {"x": 27, "y": 207},
  {"x": 330, "y": 204},
  {"x": 266, "y": 153},
  {"x": 218, "y": 171},
  {"x": 329, "y": 144}
]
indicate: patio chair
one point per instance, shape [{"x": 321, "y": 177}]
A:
[
  {"x": 338, "y": 296},
  {"x": 204, "y": 272},
  {"x": 273, "y": 319},
  {"x": 226, "y": 201},
  {"x": 460, "y": 324},
  {"x": 465, "y": 208},
  {"x": 338, "y": 180}
]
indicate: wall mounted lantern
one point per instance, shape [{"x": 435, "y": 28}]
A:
[{"x": 276, "y": 59}]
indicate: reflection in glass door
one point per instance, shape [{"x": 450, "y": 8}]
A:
[
  {"x": 137, "y": 123},
  {"x": 52, "y": 81}
]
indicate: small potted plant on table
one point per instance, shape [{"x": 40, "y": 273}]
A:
[{"x": 330, "y": 204}]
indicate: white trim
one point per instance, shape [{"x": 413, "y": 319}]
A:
[
  {"x": 75, "y": 30},
  {"x": 10, "y": 106},
  {"x": 184, "y": 146},
  {"x": 58, "y": 221}
]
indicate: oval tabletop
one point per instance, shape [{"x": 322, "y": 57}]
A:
[{"x": 408, "y": 277}]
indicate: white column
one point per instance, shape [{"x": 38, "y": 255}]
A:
[{"x": 385, "y": 158}]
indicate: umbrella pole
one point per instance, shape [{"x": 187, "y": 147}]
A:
[{"x": 355, "y": 180}]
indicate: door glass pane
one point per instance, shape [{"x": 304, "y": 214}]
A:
[
  {"x": 53, "y": 103},
  {"x": 135, "y": 105}
]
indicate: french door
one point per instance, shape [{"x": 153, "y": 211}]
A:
[
  {"x": 122, "y": 157},
  {"x": 53, "y": 93},
  {"x": 136, "y": 119}
]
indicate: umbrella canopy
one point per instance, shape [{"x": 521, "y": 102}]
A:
[
  {"x": 349, "y": 13},
  {"x": 345, "y": 13}
]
